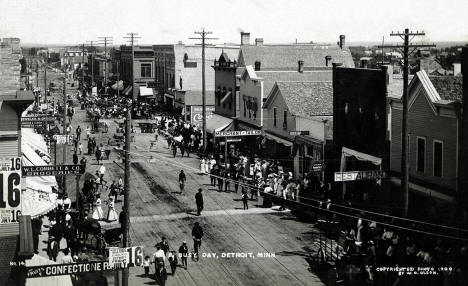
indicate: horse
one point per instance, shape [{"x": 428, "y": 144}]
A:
[{"x": 88, "y": 226}]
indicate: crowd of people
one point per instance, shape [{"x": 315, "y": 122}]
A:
[{"x": 165, "y": 252}]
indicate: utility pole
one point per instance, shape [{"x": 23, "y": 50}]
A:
[
  {"x": 92, "y": 65},
  {"x": 128, "y": 133},
  {"x": 404, "y": 125},
  {"x": 45, "y": 83},
  {"x": 203, "y": 38},
  {"x": 118, "y": 79},
  {"x": 64, "y": 177},
  {"x": 131, "y": 38},
  {"x": 82, "y": 69},
  {"x": 126, "y": 222},
  {"x": 106, "y": 40}
]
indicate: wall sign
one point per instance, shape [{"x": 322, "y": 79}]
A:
[
  {"x": 10, "y": 196},
  {"x": 53, "y": 170}
]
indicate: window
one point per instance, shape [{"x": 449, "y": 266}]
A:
[
  {"x": 274, "y": 116},
  {"x": 257, "y": 65},
  {"x": 438, "y": 158},
  {"x": 421, "y": 155},
  {"x": 245, "y": 105},
  {"x": 145, "y": 70},
  {"x": 285, "y": 119}
]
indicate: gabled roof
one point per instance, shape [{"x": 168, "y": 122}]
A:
[
  {"x": 270, "y": 77},
  {"x": 287, "y": 56},
  {"x": 305, "y": 99},
  {"x": 448, "y": 87}
]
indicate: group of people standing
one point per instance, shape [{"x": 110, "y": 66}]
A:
[{"x": 164, "y": 251}]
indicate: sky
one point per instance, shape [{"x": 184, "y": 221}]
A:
[{"x": 276, "y": 21}]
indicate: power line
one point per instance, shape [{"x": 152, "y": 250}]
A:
[
  {"x": 105, "y": 40},
  {"x": 132, "y": 38},
  {"x": 404, "y": 126},
  {"x": 203, "y": 37},
  {"x": 360, "y": 210}
]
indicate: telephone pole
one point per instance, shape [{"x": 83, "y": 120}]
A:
[
  {"x": 126, "y": 222},
  {"x": 404, "y": 125},
  {"x": 203, "y": 37},
  {"x": 45, "y": 83},
  {"x": 64, "y": 177},
  {"x": 92, "y": 65},
  {"x": 128, "y": 134},
  {"x": 132, "y": 37},
  {"x": 82, "y": 69},
  {"x": 106, "y": 40}
]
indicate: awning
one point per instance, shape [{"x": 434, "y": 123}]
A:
[
  {"x": 217, "y": 123},
  {"x": 346, "y": 152},
  {"x": 307, "y": 140},
  {"x": 228, "y": 94},
  {"x": 37, "y": 197},
  {"x": 60, "y": 280},
  {"x": 145, "y": 91},
  {"x": 278, "y": 139}
]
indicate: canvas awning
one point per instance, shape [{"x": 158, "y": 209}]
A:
[
  {"x": 217, "y": 123},
  {"x": 145, "y": 91},
  {"x": 279, "y": 139},
  {"x": 346, "y": 152},
  {"x": 60, "y": 280},
  {"x": 37, "y": 197}
]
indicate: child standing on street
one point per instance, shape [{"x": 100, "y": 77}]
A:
[
  {"x": 146, "y": 264},
  {"x": 244, "y": 200}
]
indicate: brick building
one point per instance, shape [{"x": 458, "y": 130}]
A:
[
  {"x": 360, "y": 130},
  {"x": 179, "y": 69},
  {"x": 143, "y": 69},
  {"x": 13, "y": 101}
]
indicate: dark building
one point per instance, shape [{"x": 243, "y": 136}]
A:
[
  {"x": 225, "y": 81},
  {"x": 359, "y": 126},
  {"x": 462, "y": 194}
]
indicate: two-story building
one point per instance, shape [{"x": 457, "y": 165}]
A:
[
  {"x": 298, "y": 106},
  {"x": 254, "y": 88},
  {"x": 139, "y": 69},
  {"x": 360, "y": 127},
  {"x": 179, "y": 71},
  {"x": 434, "y": 118}
]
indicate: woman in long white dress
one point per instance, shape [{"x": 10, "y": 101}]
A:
[
  {"x": 111, "y": 213},
  {"x": 98, "y": 213},
  {"x": 202, "y": 165}
]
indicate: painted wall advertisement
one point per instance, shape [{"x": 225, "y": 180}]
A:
[{"x": 196, "y": 114}]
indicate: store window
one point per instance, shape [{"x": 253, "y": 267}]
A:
[
  {"x": 274, "y": 116},
  {"x": 145, "y": 70}
]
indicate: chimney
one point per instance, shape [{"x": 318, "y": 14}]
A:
[
  {"x": 388, "y": 69},
  {"x": 245, "y": 38},
  {"x": 456, "y": 68},
  {"x": 327, "y": 60},
  {"x": 300, "y": 66},
  {"x": 342, "y": 41},
  {"x": 259, "y": 41},
  {"x": 364, "y": 63}
]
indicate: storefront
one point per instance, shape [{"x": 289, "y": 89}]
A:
[
  {"x": 279, "y": 149},
  {"x": 308, "y": 157}
]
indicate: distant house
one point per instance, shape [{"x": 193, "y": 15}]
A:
[
  {"x": 298, "y": 106},
  {"x": 433, "y": 130}
]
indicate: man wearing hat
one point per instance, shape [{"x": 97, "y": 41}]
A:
[
  {"x": 183, "y": 253},
  {"x": 52, "y": 248}
]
